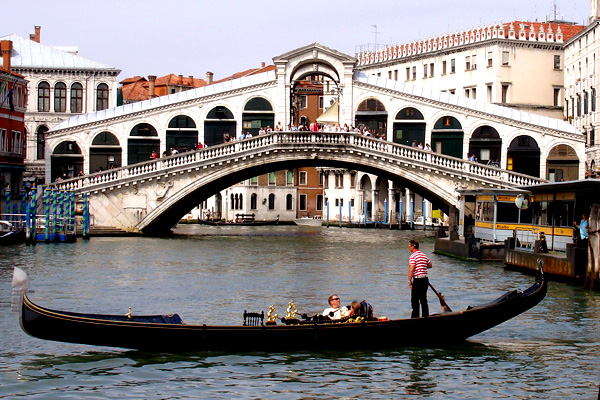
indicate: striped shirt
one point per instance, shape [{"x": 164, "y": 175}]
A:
[{"x": 420, "y": 260}]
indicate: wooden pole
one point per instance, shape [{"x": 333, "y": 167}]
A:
[{"x": 592, "y": 278}]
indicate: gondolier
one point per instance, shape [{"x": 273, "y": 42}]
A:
[{"x": 418, "y": 263}]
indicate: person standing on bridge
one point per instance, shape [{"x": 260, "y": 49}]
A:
[{"x": 418, "y": 264}]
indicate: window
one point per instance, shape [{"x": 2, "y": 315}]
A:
[
  {"x": 467, "y": 63},
  {"x": 504, "y": 93},
  {"x": 489, "y": 93},
  {"x": 431, "y": 70},
  {"x": 319, "y": 202},
  {"x": 425, "y": 70},
  {"x": 302, "y": 204},
  {"x": 302, "y": 102},
  {"x": 556, "y": 97},
  {"x": 592, "y": 137},
  {"x": 76, "y": 98},
  {"x": 395, "y": 74},
  {"x": 593, "y": 99},
  {"x": 3, "y": 141},
  {"x": 474, "y": 93},
  {"x": 17, "y": 144},
  {"x": 467, "y": 93},
  {"x": 556, "y": 61},
  {"x": 352, "y": 180},
  {"x": 390, "y": 74},
  {"x": 490, "y": 61},
  {"x": 585, "y": 102},
  {"x": 505, "y": 55},
  {"x": 289, "y": 177},
  {"x": 253, "y": 201},
  {"x": 339, "y": 180},
  {"x": 443, "y": 67},
  {"x": 44, "y": 97},
  {"x": 453, "y": 66},
  {"x": 289, "y": 202},
  {"x": 272, "y": 178},
  {"x": 414, "y": 73},
  {"x": 254, "y": 181},
  {"x": 302, "y": 177},
  {"x": 271, "y": 201},
  {"x": 579, "y": 105},
  {"x": 408, "y": 73},
  {"x": 321, "y": 102},
  {"x": 41, "y": 142},
  {"x": 60, "y": 97},
  {"x": 102, "y": 97},
  {"x": 474, "y": 62}
]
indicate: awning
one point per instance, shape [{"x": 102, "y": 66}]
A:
[{"x": 331, "y": 115}]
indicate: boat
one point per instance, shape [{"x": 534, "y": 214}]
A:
[
  {"x": 239, "y": 222},
  {"x": 168, "y": 333},
  {"x": 309, "y": 221},
  {"x": 10, "y": 234}
]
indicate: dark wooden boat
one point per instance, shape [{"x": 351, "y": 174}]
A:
[
  {"x": 169, "y": 333},
  {"x": 239, "y": 222},
  {"x": 9, "y": 234}
]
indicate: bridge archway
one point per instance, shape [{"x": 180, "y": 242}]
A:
[
  {"x": 372, "y": 113},
  {"x": 219, "y": 125},
  {"x": 66, "y": 160},
  {"x": 105, "y": 152},
  {"x": 523, "y": 156},
  {"x": 143, "y": 140},
  {"x": 409, "y": 127},
  {"x": 486, "y": 144},
  {"x": 258, "y": 112},
  {"x": 181, "y": 133},
  {"x": 447, "y": 137},
  {"x": 314, "y": 86},
  {"x": 562, "y": 163}
]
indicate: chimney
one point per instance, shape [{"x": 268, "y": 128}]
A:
[
  {"x": 180, "y": 80},
  {"x": 209, "y": 77},
  {"x": 262, "y": 64},
  {"x": 6, "y": 47},
  {"x": 151, "y": 79},
  {"x": 37, "y": 35},
  {"x": 192, "y": 81}
]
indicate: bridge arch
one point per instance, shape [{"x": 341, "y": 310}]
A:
[
  {"x": 523, "y": 155},
  {"x": 181, "y": 133},
  {"x": 315, "y": 66},
  {"x": 219, "y": 124},
  {"x": 105, "y": 152},
  {"x": 447, "y": 136},
  {"x": 66, "y": 160},
  {"x": 257, "y": 112},
  {"x": 486, "y": 144},
  {"x": 409, "y": 126},
  {"x": 371, "y": 111},
  {"x": 142, "y": 141},
  {"x": 562, "y": 163}
]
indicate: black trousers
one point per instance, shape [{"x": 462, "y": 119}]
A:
[{"x": 418, "y": 297}]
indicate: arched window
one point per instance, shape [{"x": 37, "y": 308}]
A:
[
  {"x": 41, "y": 141},
  {"x": 289, "y": 177},
  {"x": 102, "y": 97},
  {"x": 289, "y": 203},
  {"x": 371, "y": 105},
  {"x": 60, "y": 97},
  {"x": 44, "y": 97},
  {"x": 76, "y": 98},
  {"x": 253, "y": 201},
  {"x": 271, "y": 201}
]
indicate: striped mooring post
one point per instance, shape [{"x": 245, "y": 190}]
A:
[
  {"x": 47, "y": 212},
  {"x": 86, "y": 217},
  {"x": 7, "y": 192}
]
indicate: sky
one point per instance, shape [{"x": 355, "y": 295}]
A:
[{"x": 188, "y": 37}]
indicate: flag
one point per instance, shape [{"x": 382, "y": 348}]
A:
[{"x": 10, "y": 100}]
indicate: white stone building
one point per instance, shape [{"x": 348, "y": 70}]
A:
[{"x": 61, "y": 84}]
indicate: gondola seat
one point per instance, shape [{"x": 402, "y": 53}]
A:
[{"x": 253, "y": 318}]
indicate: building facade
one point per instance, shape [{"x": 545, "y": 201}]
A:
[
  {"x": 13, "y": 103},
  {"x": 496, "y": 64},
  {"x": 61, "y": 84}
]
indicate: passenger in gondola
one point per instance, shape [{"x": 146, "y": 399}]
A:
[{"x": 335, "y": 312}]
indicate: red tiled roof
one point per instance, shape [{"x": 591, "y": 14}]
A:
[
  {"x": 176, "y": 80},
  {"x": 134, "y": 90},
  {"x": 251, "y": 71}
]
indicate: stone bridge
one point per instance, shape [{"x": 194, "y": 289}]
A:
[{"x": 152, "y": 196}]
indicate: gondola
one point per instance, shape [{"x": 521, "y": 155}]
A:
[
  {"x": 239, "y": 222},
  {"x": 168, "y": 333},
  {"x": 9, "y": 234}
]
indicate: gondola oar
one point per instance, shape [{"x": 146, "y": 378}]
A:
[{"x": 443, "y": 303}]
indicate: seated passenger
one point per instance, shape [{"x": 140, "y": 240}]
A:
[{"x": 335, "y": 312}]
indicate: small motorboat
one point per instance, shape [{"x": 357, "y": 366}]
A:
[{"x": 309, "y": 221}]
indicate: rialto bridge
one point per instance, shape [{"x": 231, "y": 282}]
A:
[{"x": 136, "y": 194}]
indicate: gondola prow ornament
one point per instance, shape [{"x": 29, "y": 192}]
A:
[
  {"x": 271, "y": 316},
  {"x": 291, "y": 311}
]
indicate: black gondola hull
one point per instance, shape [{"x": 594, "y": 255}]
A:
[{"x": 157, "y": 335}]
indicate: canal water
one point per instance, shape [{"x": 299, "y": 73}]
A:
[{"x": 212, "y": 274}]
